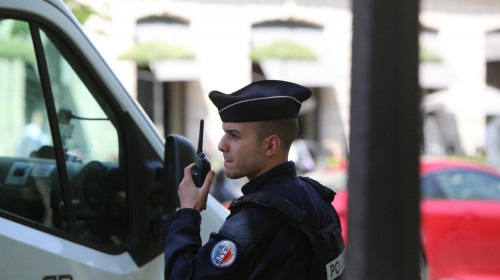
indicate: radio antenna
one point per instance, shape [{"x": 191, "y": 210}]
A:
[{"x": 200, "y": 138}]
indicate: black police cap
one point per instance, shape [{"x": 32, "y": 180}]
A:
[{"x": 261, "y": 101}]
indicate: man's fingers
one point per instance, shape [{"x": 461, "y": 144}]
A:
[
  {"x": 205, "y": 188},
  {"x": 190, "y": 196},
  {"x": 208, "y": 179},
  {"x": 208, "y": 182},
  {"x": 188, "y": 170}
]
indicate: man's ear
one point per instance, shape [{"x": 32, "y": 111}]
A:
[{"x": 272, "y": 145}]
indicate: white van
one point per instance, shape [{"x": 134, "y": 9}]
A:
[{"x": 83, "y": 185}]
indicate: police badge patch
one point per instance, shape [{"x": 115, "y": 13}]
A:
[{"x": 224, "y": 253}]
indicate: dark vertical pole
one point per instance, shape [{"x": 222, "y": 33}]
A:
[{"x": 383, "y": 241}]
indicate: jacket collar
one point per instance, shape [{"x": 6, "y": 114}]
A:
[{"x": 286, "y": 168}]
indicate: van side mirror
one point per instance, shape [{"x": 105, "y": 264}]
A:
[{"x": 179, "y": 153}]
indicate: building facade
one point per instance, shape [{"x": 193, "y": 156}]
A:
[{"x": 213, "y": 44}]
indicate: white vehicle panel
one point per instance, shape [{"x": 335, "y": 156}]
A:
[{"x": 26, "y": 244}]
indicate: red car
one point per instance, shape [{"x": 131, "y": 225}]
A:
[{"x": 460, "y": 216}]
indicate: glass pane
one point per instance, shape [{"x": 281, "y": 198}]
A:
[
  {"x": 463, "y": 185},
  {"x": 26, "y": 177},
  {"x": 90, "y": 140}
]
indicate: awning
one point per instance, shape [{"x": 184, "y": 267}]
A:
[
  {"x": 435, "y": 75},
  {"x": 168, "y": 61},
  {"x": 176, "y": 70},
  {"x": 304, "y": 72},
  {"x": 493, "y": 46},
  {"x": 485, "y": 100}
]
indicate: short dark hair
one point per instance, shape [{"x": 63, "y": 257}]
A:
[{"x": 286, "y": 129}]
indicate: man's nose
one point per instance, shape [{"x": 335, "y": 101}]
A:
[{"x": 221, "y": 145}]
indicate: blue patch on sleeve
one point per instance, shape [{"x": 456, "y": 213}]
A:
[{"x": 223, "y": 253}]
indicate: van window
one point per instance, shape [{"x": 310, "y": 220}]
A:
[
  {"x": 25, "y": 183},
  {"x": 50, "y": 106}
]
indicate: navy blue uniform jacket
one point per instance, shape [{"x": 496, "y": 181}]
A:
[{"x": 253, "y": 243}]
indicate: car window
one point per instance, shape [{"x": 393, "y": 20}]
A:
[
  {"x": 82, "y": 129},
  {"x": 430, "y": 188},
  {"x": 461, "y": 184}
]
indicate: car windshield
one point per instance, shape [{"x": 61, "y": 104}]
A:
[{"x": 461, "y": 184}]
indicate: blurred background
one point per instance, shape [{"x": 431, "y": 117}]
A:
[{"x": 170, "y": 54}]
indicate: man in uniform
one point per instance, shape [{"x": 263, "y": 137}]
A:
[{"x": 259, "y": 240}]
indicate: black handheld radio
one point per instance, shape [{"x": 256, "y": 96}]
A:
[{"x": 202, "y": 162}]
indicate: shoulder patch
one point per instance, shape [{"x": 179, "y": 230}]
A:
[{"x": 223, "y": 253}]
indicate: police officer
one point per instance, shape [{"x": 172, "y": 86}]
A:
[{"x": 259, "y": 123}]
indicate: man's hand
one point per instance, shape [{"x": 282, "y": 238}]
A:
[{"x": 191, "y": 196}]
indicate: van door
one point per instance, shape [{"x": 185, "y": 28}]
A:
[{"x": 78, "y": 179}]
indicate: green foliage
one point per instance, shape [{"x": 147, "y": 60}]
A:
[
  {"x": 17, "y": 43},
  {"x": 284, "y": 50},
  {"x": 144, "y": 53},
  {"x": 427, "y": 55},
  {"x": 16, "y": 48},
  {"x": 81, "y": 11},
  {"x": 20, "y": 29},
  {"x": 481, "y": 158}
]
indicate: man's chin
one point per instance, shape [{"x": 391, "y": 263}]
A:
[{"x": 232, "y": 175}]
